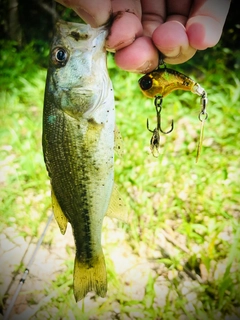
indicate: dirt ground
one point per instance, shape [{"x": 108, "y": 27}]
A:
[
  {"x": 132, "y": 269},
  {"x": 15, "y": 252}
]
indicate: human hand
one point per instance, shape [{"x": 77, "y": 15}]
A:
[{"x": 142, "y": 28}]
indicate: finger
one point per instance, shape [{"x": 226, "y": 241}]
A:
[
  {"x": 96, "y": 12},
  {"x": 126, "y": 26},
  {"x": 170, "y": 37},
  {"x": 171, "y": 40},
  {"x": 131, "y": 6},
  {"x": 207, "y": 18},
  {"x": 141, "y": 56},
  {"x": 178, "y": 10},
  {"x": 153, "y": 14},
  {"x": 124, "y": 30}
]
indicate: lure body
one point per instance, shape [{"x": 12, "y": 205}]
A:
[{"x": 163, "y": 81}]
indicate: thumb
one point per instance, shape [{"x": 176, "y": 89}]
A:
[
  {"x": 203, "y": 32},
  {"x": 205, "y": 24}
]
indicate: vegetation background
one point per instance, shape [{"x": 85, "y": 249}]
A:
[{"x": 179, "y": 256}]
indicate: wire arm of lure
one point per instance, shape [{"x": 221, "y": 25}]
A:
[
  {"x": 203, "y": 113},
  {"x": 202, "y": 117}
]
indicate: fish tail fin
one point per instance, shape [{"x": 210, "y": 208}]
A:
[{"x": 89, "y": 276}]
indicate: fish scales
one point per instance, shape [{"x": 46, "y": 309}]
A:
[{"x": 78, "y": 145}]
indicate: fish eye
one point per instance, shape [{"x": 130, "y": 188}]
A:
[
  {"x": 60, "y": 56},
  {"x": 145, "y": 82}
]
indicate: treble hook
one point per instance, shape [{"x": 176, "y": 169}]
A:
[
  {"x": 158, "y": 106},
  {"x": 155, "y": 140}
]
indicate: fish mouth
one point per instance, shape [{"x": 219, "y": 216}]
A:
[
  {"x": 82, "y": 90},
  {"x": 89, "y": 97},
  {"x": 82, "y": 100}
]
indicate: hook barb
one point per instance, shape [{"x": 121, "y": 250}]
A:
[
  {"x": 148, "y": 127},
  {"x": 166, "y": 132}
]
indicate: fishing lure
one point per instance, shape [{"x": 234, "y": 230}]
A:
[{"x": 158, "y": 84}]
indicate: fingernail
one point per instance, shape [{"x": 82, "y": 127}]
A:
[
  {"x": 111, "y": 50},
  {"x": 172, "y": 53},
  {"x": 119, "y": 45},
  {"x": 146, "y": 67}
]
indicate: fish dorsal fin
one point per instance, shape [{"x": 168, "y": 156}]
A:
[
  {"x": 58, "y": 214},
  {"x": 117, "y": 208},
  {"x": 118, "y": 142}
]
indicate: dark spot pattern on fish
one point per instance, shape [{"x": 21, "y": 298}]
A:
[
  {"x": 63, "y": 148},
  {"x": 93, "y": 124},
  {"x": 78, "y": 36},
  {"x": 87, "y": 228}
]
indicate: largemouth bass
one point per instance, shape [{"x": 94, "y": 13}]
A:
[{"x": 78, "y": 146}]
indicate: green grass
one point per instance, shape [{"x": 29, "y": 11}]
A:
[{"x": 197, "y": 205}]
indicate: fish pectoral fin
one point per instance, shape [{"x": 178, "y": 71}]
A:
[
  {"x": 117, "y": 208},
  {"x": 58, "y": 214},
  {"x": 90, "y": 276},
  {"x": 118, "y": 142}
]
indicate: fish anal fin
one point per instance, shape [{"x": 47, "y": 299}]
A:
[
  {"x": 90, "y": 276},
  {"x": 58, "y": 214},
  {"x": 117, "y": 208}
]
